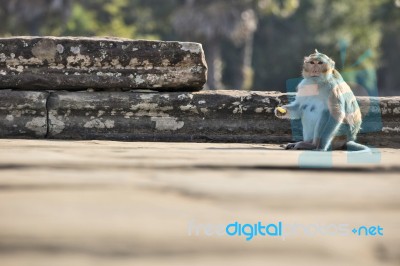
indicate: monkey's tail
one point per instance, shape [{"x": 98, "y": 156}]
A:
[{"x": 354, "y": 146}]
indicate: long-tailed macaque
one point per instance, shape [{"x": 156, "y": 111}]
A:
[{"x": 327, "y": 107}]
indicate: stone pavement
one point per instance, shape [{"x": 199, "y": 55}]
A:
[{"x": 139, "y": 203}]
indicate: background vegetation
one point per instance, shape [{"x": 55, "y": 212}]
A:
[{"x": 249, "y": 44}]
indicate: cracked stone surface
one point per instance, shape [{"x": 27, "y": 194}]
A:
[{"x": 77, "y": 63}]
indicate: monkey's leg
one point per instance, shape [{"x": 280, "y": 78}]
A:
[
  {"x": 327, "y": 128},
  {"x": 301, "y": 145},
  {"x": 288, "y": 146}
]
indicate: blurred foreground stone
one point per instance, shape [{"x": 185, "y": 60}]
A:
[
  {"x": 77, "y": 63},
  {"x": 81, "y": 203}
]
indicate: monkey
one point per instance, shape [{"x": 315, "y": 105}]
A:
[{"x": 329, "y": 112}]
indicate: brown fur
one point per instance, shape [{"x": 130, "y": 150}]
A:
[{"x": 326, "y": 105}]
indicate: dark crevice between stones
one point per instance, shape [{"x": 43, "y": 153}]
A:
[
  {"x": 47, "y": 115},
  {"x": 362, "y": 168}
]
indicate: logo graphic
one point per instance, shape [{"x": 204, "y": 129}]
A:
[{"x": 281, "y": 230}]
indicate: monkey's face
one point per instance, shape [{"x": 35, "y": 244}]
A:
[{"x": 316, "y": 65}]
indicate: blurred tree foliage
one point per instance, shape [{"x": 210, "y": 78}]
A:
[
  {"x": 34, "y": 17},
  {"x": 120, "y": 18},
  {"x": 342, "y": 29},
  {"x": 257, "y": 44},
  {"x": 226, "y": 29}
]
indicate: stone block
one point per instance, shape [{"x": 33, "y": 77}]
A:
[
  {"x": 72, "y": 63},
  {"x": 23, "y": 114}
]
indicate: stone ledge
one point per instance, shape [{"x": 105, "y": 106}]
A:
[
  {"x": 206, "y": 116},
  {"x": 72, "y": 63},
  {"x": 200, "y": 116}
]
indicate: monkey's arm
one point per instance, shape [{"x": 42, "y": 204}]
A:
[{"x": 292, "y": 111}]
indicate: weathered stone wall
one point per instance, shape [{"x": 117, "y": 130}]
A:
[
  {"x": 217, "y": 116},
  {"x": 71, "y": 63},
  {"x": 200, "y": 116},
  {"x": 23, "y": 114}
]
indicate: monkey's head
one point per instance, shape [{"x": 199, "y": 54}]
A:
[{"x": 317, "y": 64}]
